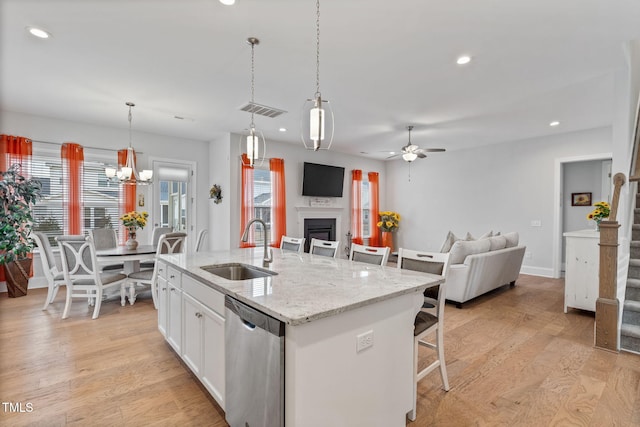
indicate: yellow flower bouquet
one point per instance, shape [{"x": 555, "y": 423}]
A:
[
  {"x": 601, "y": 211},
  {"x": 134, "y": 220},
  {"x": 389, "y": 221}
]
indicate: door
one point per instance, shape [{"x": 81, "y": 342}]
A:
[{"x": 173, "y": 191}]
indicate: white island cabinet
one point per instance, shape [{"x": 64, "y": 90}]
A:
[
  {"x": 330, "y": 308},
  {"x": 582, "y": 258}
]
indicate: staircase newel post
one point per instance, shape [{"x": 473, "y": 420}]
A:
[{"x": 607, "y": 304}]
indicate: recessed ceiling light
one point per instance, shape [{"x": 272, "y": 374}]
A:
[
  {"x": 282, "y": 129},
  {"x": 38, "y": 32},
  {"x": 465, "y": 59},
  {"x": 227, "y": 2},
  {"x": 554, "y": 123}
]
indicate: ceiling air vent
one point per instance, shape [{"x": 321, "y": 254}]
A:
[{"x": 262, "y": 110}]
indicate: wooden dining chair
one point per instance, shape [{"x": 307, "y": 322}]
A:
[
  {"x": 156, "y": 233},
  {"x": 430, "y": 318},
  {"x": 55, "y": 277},
  {"x": 324, "y": 247},
  {"x": 369, "y": 254},
  {"x": 201, "y": 239},
  {"x": 169, "y": 243},
  {"x": 82, "y": 274},
  {"x": 106, "y": 238},
  {"x": 295, "y": 244}
]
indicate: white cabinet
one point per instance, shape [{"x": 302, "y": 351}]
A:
[
  {"x": 191, "y": 318},
  {"x": 204, "y": 345},
  {"x": 174, "y": 309},
  {"x": 582, "y": 260},
  {"x": 163, "y": 289}
]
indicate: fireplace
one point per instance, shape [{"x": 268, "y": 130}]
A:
[{"x": 318, "y": 228}]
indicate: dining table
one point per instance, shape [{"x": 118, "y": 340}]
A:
[{"x": 130, "y": 258}]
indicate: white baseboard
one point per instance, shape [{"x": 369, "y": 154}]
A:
[{"x": 537, "y": 271}]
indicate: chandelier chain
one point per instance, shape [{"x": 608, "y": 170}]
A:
[
  {"x": 317, "y": 48},
  {"x": 252, "y": 81},
  {"x": 129, "y": 117}
]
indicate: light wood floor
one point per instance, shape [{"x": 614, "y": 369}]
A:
[{"x": 514, "y": 358}]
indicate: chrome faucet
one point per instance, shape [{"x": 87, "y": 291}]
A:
[{"x": 268, "y": 254}]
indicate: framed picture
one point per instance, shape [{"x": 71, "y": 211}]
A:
[{"x": 580, "y": 199}]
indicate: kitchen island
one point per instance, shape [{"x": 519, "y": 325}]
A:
[{"x": 348, "y": 330}]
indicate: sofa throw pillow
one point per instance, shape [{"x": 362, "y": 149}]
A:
[
  {"x": 448, "y": 242},
  {"x": 484, "y": 236},
  {"x": 497, "y": 242},
  {"x": 512, "y": 239},
  {"x": 462, "y": 248}
]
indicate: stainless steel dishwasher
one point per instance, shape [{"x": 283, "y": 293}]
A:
[{"x": 254, "y": 357}]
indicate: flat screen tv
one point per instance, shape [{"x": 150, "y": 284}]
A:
[{"x": 322, "y": 180}]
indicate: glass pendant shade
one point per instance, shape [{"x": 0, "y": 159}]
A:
[
  {"x": 253, "y": 148},
  {"x": 409, "y": 157},
  {"x": 317, "y": 131},
  {"x": 316, "y": 121}
]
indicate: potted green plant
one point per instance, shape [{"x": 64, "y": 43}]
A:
[{"x": 18, "y": 196}]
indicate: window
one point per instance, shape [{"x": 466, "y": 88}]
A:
[
  {"x": 262, "y": 201},
  {"x": 100, "y": 197},
  {"x": 366, "y": 208}
]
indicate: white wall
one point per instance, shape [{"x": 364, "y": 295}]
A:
[
  {"x": 159, "y": 146},
  {"x": 500, "y": 187}
]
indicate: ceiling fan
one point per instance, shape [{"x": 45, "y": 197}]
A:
[{"x": 410, "y": 152}]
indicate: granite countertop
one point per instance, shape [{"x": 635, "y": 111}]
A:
[{"x": 307, "y": 287}]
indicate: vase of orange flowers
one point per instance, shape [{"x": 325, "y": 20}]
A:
[{"x": 132, "y": 221}]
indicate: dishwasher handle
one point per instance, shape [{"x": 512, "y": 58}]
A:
[{"x": 253, "y": 318}]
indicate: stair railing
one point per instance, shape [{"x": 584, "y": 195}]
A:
[{"x": 607, "y": 304}]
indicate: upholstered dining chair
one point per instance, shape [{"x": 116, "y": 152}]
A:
[
  {"x": 169, "y": 243},
  {"x": 369, "y": 254},
  {"x": 106, "y": 238},
  {"x": 156, "y": 233},
  {"x": 430, "y": 318},
  {"x": 201, "y": 239},
  {"x": 82, "y": 273},
  {"x": 55, "y": 277},
  {"x": 324, "y": 247},
  {"x": 295, "y": 244}
]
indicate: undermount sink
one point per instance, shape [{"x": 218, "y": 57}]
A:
[{"x": 238, "y": 271}]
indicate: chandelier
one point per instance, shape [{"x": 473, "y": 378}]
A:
[
  {"x": 317, "y": 115},
  {"x": 255, "y": 138},
  {"x": 128, "y": 174}
]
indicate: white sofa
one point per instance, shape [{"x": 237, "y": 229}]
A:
[{"x": 479, "y": 266}]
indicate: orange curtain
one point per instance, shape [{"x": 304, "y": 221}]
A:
[
  {"x": 374, "y": 186},
  {"x": 246, "y": 202},
  {"x": 356, "y": 206},
  {"x": 127, "y": 193},
  {"x": 72, "y": 168},
  {"x": 278, "y": 202},
  {"x": 15, "y": 150}
]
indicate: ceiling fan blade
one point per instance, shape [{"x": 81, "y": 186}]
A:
[
  {"x": 391, "y": 157},
  {"x": 421, "y": 155},
  {"x": 432, "y": 150}
]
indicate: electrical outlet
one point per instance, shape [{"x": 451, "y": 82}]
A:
[
  {"x": 364, "y": 341},
  {"x": 536, "y": 223},
  {"x": 528, "y": 255}
]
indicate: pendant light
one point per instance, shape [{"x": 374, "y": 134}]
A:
[
  {"x": 317, "y": 115},
  {"x": 128, "y": 174},
  {"x": 255, "y": 138}
]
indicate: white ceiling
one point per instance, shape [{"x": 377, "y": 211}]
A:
[{"x": 384, "y": 65}]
